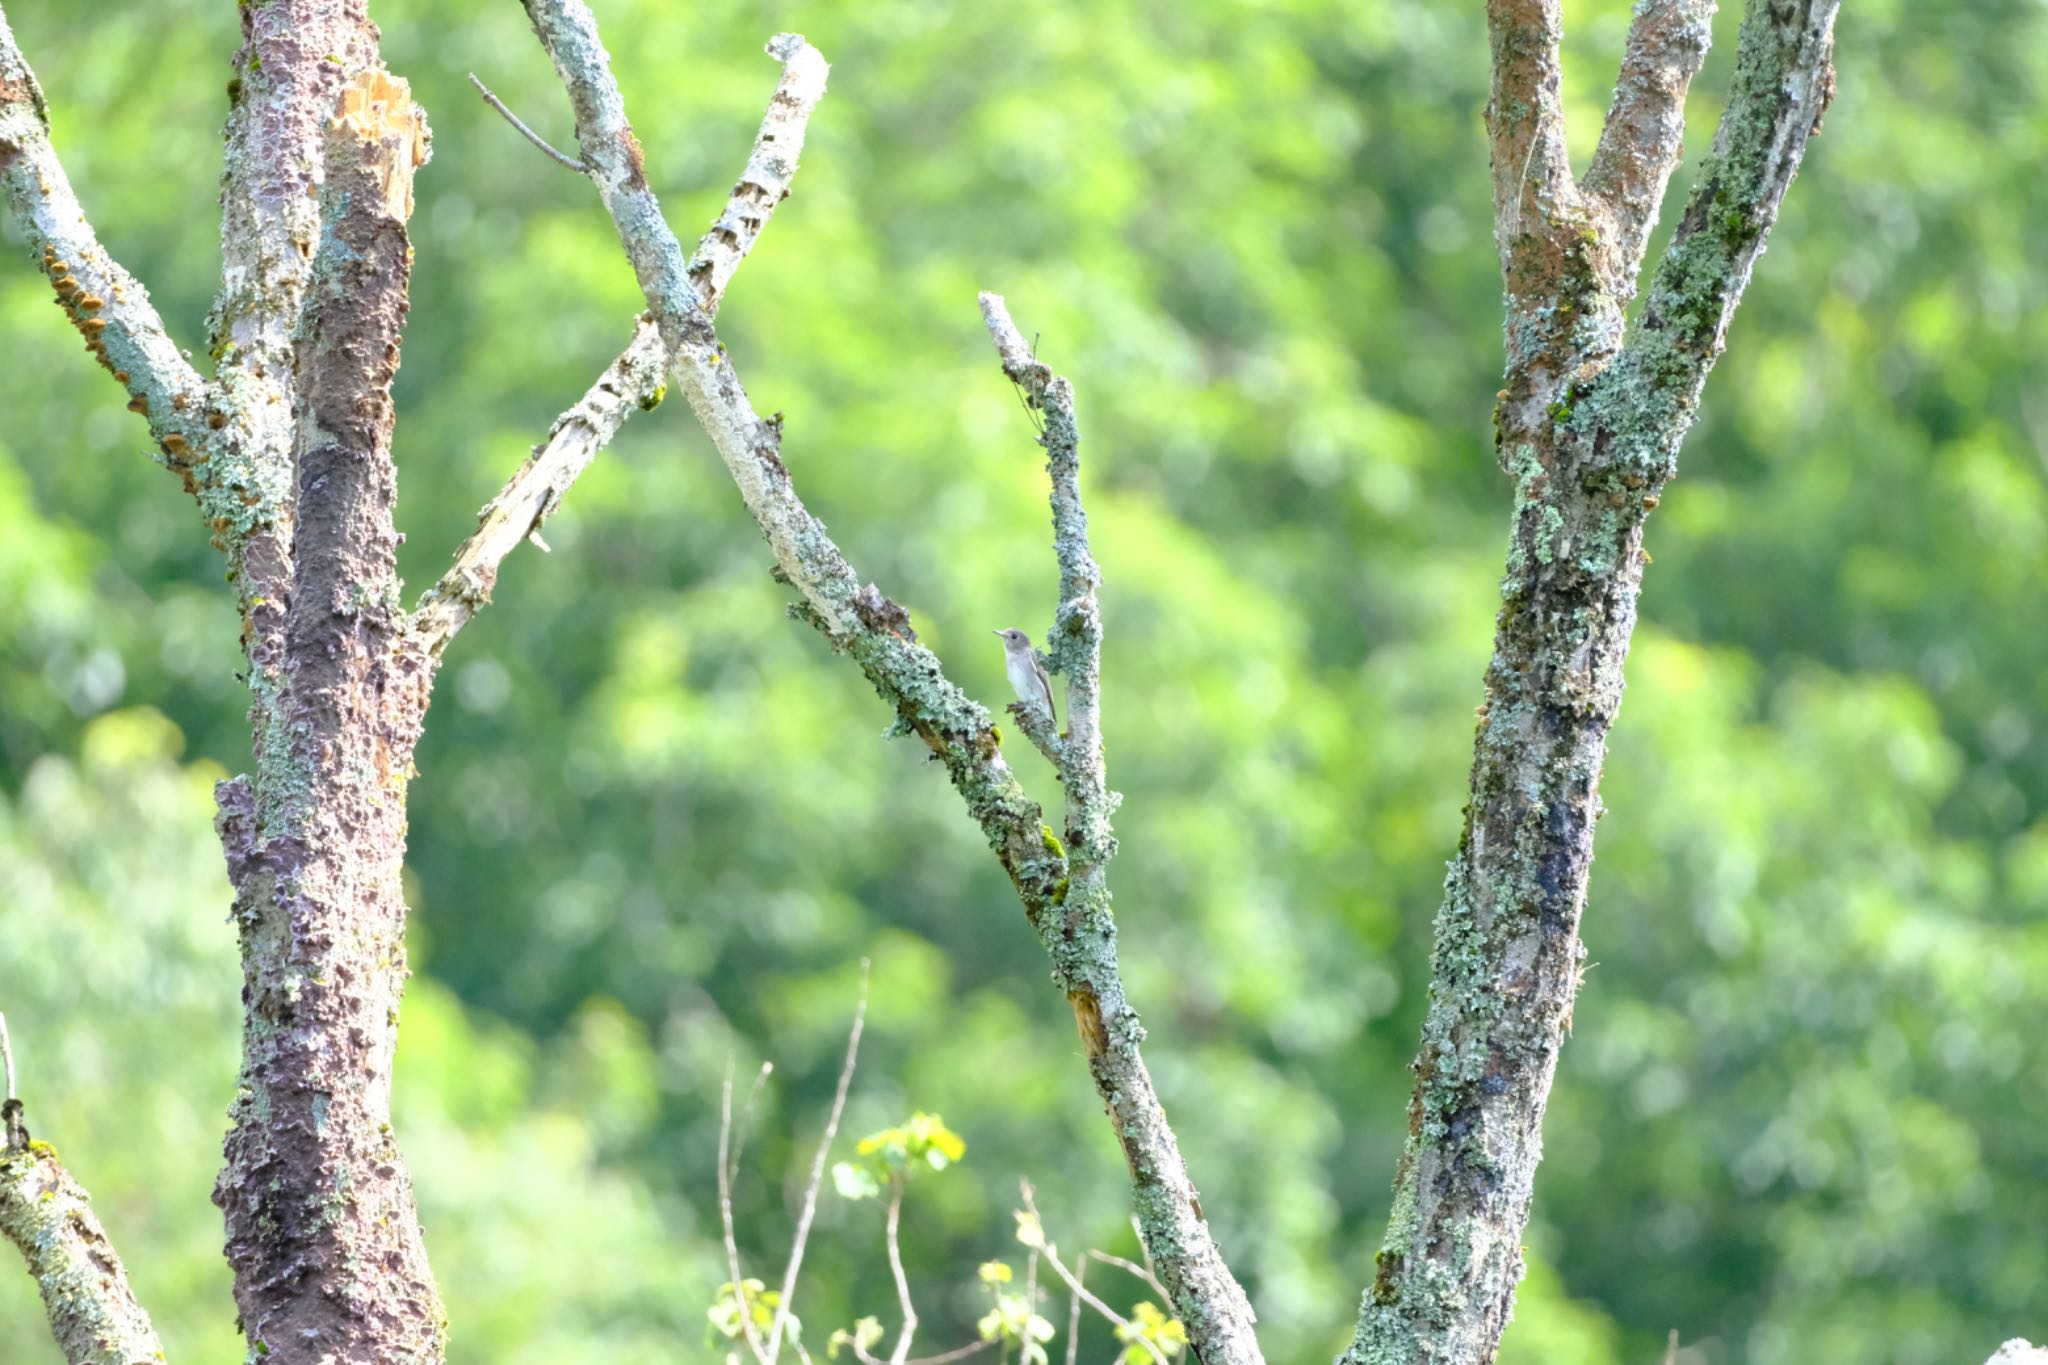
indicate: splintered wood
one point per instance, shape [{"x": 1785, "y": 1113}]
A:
[{"x": 377, "y": 109}]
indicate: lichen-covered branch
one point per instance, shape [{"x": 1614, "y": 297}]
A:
[
  {"x": 1591, "y": 439},
  {"x": 635, "y": 381},
  {"x": 1078, "y": 931},
  {"x": 1644, "y": 135},
  {"x": 1200, "y": 1286},
  {"x": 323, "y": 1235},
  {"x": 106, "y": 305},
  {"x": 630, "y": 383},
  {"x": 294, "y": 59},
  {"x": 1074, "y": 644},
  {"x": 199, "y": 431},
  {"x": 93, "y": 1314}
]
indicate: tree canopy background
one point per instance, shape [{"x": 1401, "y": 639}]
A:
[{"x": 657, "y": 824}]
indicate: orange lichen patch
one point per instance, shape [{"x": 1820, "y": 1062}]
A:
[
  {"x": 175, "y": 445},
  {"x": 377, "y": 109},
  {"x": 92, "y": 327},
  {"x": 138, "y": 404},
  {"x": 92, "y": 303}
]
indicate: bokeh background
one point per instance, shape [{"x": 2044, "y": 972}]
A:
[{"x": 1801, "y": 1116}]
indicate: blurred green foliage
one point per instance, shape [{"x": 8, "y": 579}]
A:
[{"x": 657, "y": 824}]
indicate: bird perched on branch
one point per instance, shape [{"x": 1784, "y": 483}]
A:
[{"x": 1027, "y": 675}]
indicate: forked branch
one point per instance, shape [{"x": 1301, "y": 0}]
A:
[
  {"x": 1071, "y": 915},
  {"x": 635, "y": 381}
]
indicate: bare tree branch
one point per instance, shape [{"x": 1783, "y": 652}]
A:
[
  {"x": 532, "y": 495},
  {"x": 535, "y": 138},
  {"x": 197, "y": 429},
  {"x": 909, "y": 1310},
  {"x": 1077, "y": 929},
  {"x": 765, "y": 181},
  {"x": 1591, "y": 439},
  {"x": 93, "y": 1314},
  {"x": 728, "y": 1166},
  {"x": 635, "y": 381},
  {"x": 109, "y": 307},
  {"x": 1644, "y": 135},
  {"x": 1534, "y": 199}
]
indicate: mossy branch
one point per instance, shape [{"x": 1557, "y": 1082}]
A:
[{"x": 94, "y": 1316}]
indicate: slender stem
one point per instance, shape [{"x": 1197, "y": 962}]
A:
[
  {"x": 745, "y": 1120},
  {"x": 1074, "y": 1315},
  {"x": 817, "y": 1180},
  {"x": 732, "y": 1245},
  {"x": 902, "y": 1351},
  {"x": 1081, "y": 1292},
  {"x": 1134, "y": 1268},
  {"x": 535, "y": 138}
]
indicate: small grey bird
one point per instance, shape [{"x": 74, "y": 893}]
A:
[{"x": 1027, "y": 675}]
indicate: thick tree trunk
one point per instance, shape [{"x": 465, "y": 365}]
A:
[{"x": 322, "y": 1232}]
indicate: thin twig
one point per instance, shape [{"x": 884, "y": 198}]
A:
[
  {"x": 902, "y": 1351},
  {"x": 1074, "y": 1319},
  {"x": 957, "y": 1353},
  {"x": 1671, "y": 1348},
  {"x": 1140, "y": 1271},
  {"x": 580, "y": 167},
  {"x": 1073, "y": 1283},
  {"x": 739, "y": 1129},
  {"x": 732, "y": 1245},
  {"x": 7, "y": 1056},
  {"x": 803, "y": 1222}
]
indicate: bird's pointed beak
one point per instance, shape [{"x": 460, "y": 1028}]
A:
[{"x": 995, "y": 632}]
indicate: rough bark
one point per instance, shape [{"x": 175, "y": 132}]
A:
[
  {"x": 1590, "y": 431},
  {"x": 1072, "y": 917},
  {"x": 322, "y": 1232}
]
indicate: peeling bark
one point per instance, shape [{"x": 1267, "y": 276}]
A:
[{"x": 322, "y": 1232}]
